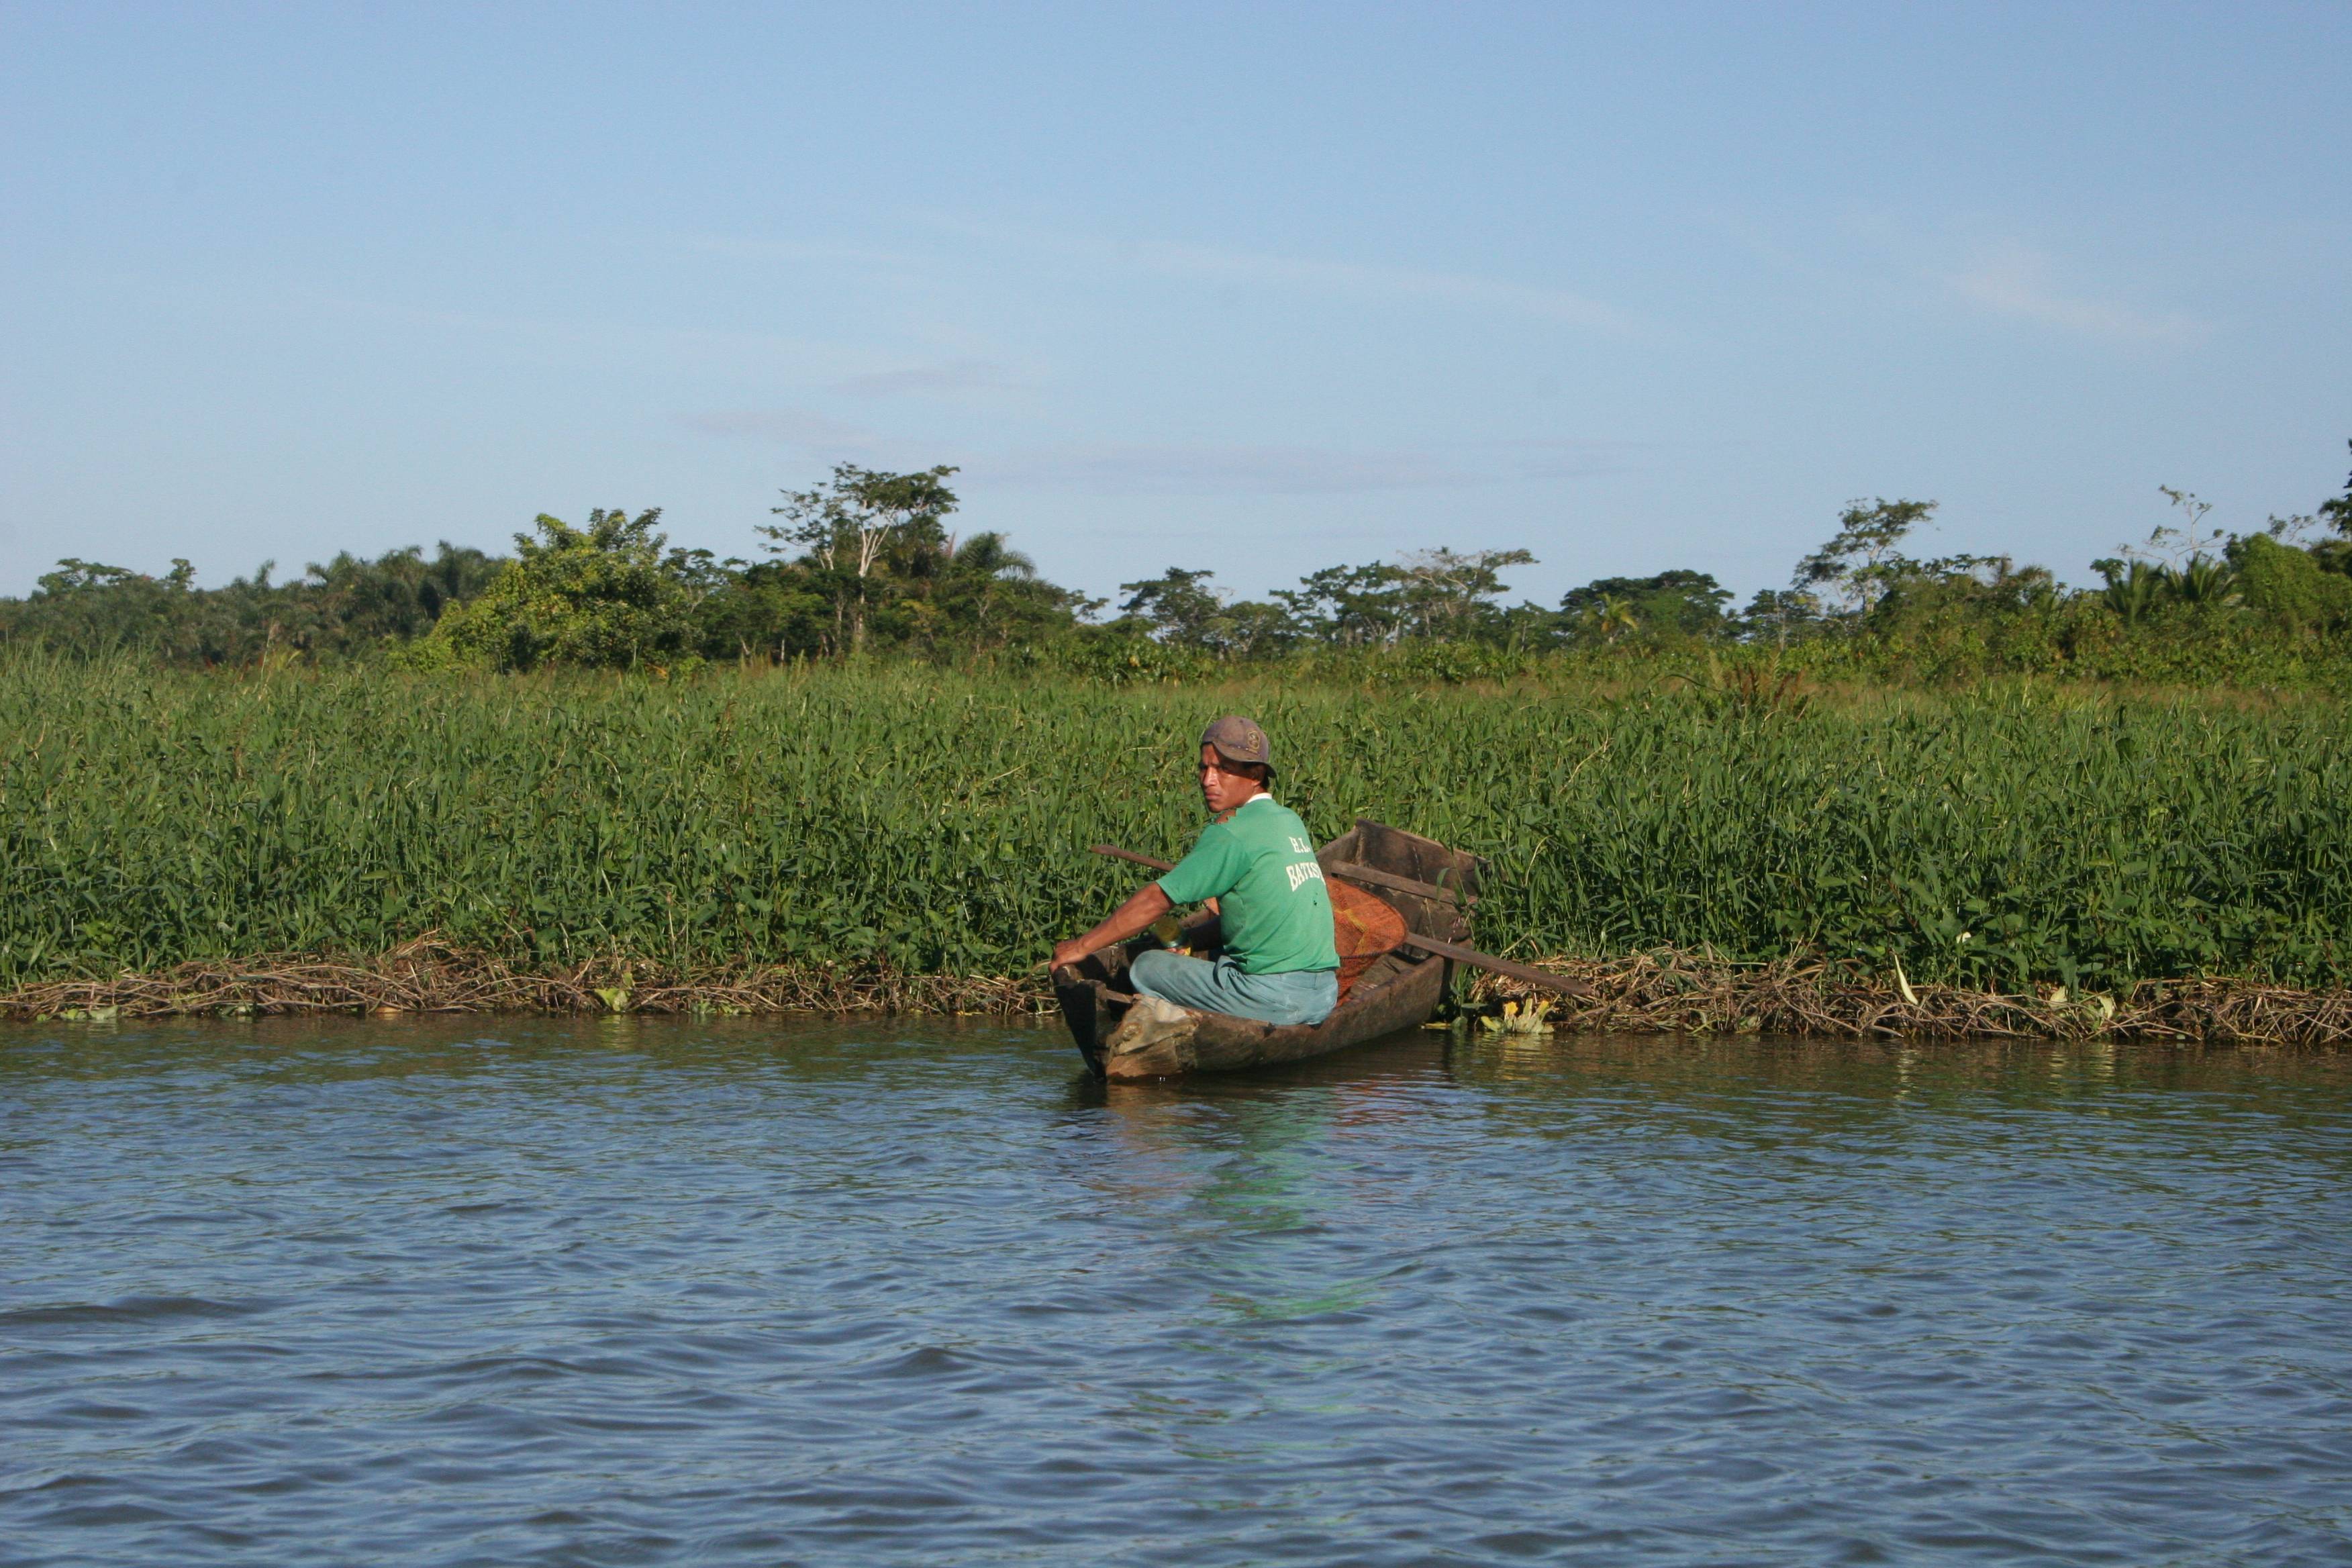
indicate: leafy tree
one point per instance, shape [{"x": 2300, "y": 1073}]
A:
[
  {"x": 2336, "y": 554},
  {"x": 604, "y": 597},
  {"x": 1876, "y": 584},
  {"x": 74, "y": 576},
  {"x": 1174, "y": 605},
  {"x": 769, "y": 608},
  {"x": 1863, "y": 560},
  {"x": 864, "y": 561},
  {"x": 1349, "y": 606},
  {"x": 87, "y": 606},
  {"x": 2338, "y": 512},
  {"x": 2135, "y": 590},
  {"x": 1449, "y": 594},
  {"x": 2289, "y": 585},
  {"x": 1251, "y": 627},
  {"x": 1973, "y": 584},
  {"x": 1776, "y": 615},
  {"x": 1615, "y": 617},
  {"x": 846, "y": 529},
  {"x": 398, "y": 595},
  {"x": 2174, "y": 565},
  {"x": 349, "y": 606},
  {"x": 1676, "y": 604},
  {"x": 977, "y": 593},
  {"x": 1438, "y": 593},
  {"x": 1176, "y": 608}
]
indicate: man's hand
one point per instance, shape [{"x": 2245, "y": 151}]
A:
[{"x": 1132, "y": 918}]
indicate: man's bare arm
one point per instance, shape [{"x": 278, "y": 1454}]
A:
[{"x": 1131, "y": 919}]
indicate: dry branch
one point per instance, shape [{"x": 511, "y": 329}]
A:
[
  {"x": 1662, "y": 992},
  {"x": 1671, "y": 992},
  {"x": 428, "y": 975}
]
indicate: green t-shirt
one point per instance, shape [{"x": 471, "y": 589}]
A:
[{"x": 1259, "y": 865}]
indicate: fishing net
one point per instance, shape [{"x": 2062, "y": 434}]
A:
[{"x": 1364, "y": 927}]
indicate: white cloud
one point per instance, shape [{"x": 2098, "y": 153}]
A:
[
  {"x": 1363, "y": 280},
  {"x": 1312, "y": 275},
  {"x": 945, "y": 378},
  {"x": 2015, "y": 280},
  {"x": 1556, "y": 305},
  {"x": 1510, "y": 460},
  {"x": 1114, "y": 468},
  {"x": 824, "y": 252},
  {"x": 787, "y": 427},
  {"x": 809, "y": 434},
  {"x": 1203, "y": 468}
]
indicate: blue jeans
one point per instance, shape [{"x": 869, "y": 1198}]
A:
[{"x": 1301, "y": 997}]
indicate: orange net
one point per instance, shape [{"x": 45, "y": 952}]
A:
[{"x": 1364, "y": 927}]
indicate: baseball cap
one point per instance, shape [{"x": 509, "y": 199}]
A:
[{"x": 1238, "y": 739}]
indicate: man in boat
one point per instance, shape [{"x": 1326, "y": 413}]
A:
[{"x": 1279, "y": 963}]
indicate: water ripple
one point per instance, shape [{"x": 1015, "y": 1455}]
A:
[{"x": 633, "y": 1292}]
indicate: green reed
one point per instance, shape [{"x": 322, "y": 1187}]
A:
[{"x": 936, "y": 823}]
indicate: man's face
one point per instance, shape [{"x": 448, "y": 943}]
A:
[{"x": 1220, "y": 790}]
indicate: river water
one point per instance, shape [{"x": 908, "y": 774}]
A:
[{"x": 519, "y": 1291}]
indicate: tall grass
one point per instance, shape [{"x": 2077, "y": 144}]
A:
[{"x": 933, "y": 823}]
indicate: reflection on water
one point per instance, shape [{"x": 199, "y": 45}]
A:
[{"x": 522, "y": 1291}]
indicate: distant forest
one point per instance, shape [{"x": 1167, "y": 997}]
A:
[{"x": 867, "y": 563}]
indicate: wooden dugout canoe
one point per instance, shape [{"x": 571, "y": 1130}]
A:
[{"x": 1430, "y": 887}]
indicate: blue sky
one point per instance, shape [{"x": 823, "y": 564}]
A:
[{"x": 1257, "y": 288}]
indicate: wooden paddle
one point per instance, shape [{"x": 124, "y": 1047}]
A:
[
  {"x": 1429, "y": 944},
  {"x": 1117, "y": 854}
]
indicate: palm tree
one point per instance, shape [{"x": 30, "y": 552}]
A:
[{"x": 1615, "y": 616}]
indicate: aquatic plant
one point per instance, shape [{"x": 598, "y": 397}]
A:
[
  {"x": 1515, "y": 1018},
  {"x": 881, "y": 825}
]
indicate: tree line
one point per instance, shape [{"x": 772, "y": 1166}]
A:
[{"x": 867, "y": 562}]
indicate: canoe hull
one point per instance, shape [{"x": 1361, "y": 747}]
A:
[{"x": 1218, "y": 1042}]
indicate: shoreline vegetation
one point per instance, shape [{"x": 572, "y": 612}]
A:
[
  {"x": 1663, "y": 992},
  {"x": 2025, "y": 857},
  {"x": 1934, "y": 796}
]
